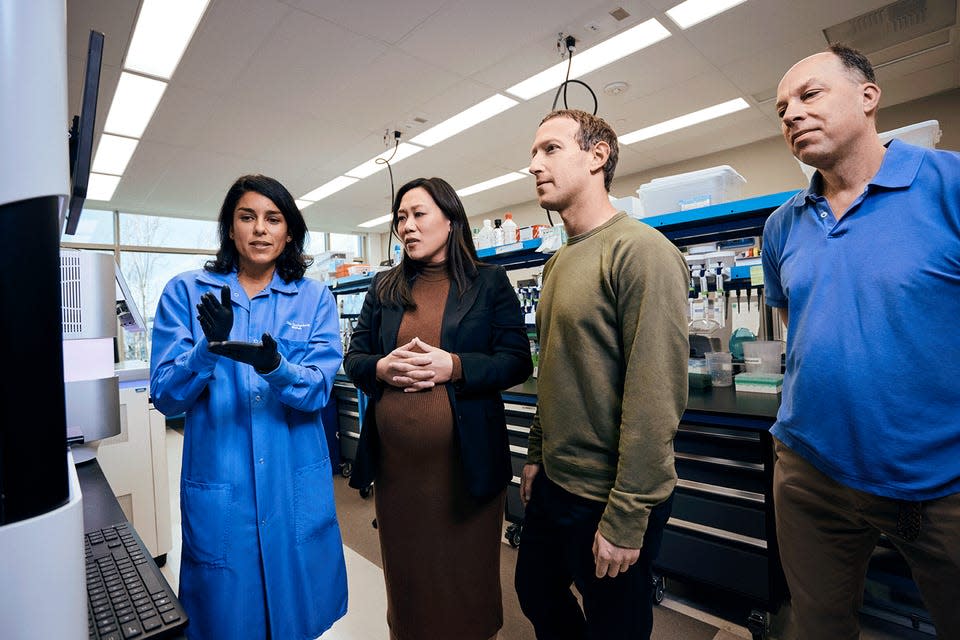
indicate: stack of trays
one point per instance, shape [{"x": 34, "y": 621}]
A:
[{"x": 758, "y": 382}]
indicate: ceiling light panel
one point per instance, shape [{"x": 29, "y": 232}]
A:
[
  {"x": 619, "y": 46},
  {"x": 686, "y": 14},
  {"x": 302, "y": 204},
  {"x": 330, "y": 188},
  {"x": 372, "y": 223},
  {"x": 134, "y": 102},
  {"x": 163, "y": 31},
  {"x": 113, "y": 154},
  {"x": 371, "y": 166},
  {"x": 491, "y": 183},
  {"x": 101, "y": 186},
  {"x": 687, "y": 120},
  {"x": 464, "y": 120}
]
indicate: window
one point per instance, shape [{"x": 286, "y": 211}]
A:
[
  {"x": 155, "y": 231},
  {"x": 96, "y": 227},
  {"x": 146, "y": 275}
]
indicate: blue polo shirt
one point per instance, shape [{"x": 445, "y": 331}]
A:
[{"x": 871, "y": 393}]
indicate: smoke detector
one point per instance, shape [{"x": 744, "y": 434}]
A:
[{"x": 616, "y": 88}]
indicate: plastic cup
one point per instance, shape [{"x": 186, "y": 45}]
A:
[
  {"x": 720, "y": 365},
  {"x": 762, "y": 356}
]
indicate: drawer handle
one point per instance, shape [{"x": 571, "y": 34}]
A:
[
  {"x": 736, "y": 464},
  {"x": 353, "y": 414},
  {"x": 717, "y": 533},
  {"x": 517, "y": 449},
  {"x": 721, "y": 491},
  {"x": 521, "y": 408}
]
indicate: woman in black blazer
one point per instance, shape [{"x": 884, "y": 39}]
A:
[{"x": 438, "y": 337}]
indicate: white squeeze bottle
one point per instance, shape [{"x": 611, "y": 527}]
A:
[
  {"x": 509, "y": 228},
  {"x": 485, "y": 237}
]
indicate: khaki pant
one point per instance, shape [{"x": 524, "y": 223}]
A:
[{"x": 827, "y": 533}]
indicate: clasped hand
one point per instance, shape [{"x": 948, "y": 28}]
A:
[{"x": 415, "y": 366}]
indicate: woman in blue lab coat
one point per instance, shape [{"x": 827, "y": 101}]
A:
[{"x": 262, "y": 555}]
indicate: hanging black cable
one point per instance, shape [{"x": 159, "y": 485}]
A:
[
  {"x": 386, "y": 161},
  {"x": 566, "y": 81}
]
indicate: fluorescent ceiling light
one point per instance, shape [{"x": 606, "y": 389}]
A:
[
  {"x": 302, "y": 204},
  {"x": 464, "y": 120},
  {"x": 619, "y": 46},
  {"x": 376, "y": 221},
  {"x": 101, "y": 186},
  {"x": 686, "y": 14},
  {"x": 371, "y": 166},
  {"x": 113, "y": 154},
  {"x": 161, "y": 35},
  {"x": 683, "y": 121},
  {"x": 491, "y": 183},
  {"x": 321, "y": 192},
  {"x": 133, "y": 105}
]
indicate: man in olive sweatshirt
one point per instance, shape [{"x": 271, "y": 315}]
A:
[{"x": 612, "y": 386}]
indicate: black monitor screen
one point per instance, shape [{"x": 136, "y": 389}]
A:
[{"x": 81, "y": 133}]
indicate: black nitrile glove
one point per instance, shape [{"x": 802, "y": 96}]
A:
[
  {"x": 216, "y": 318},
  {"x": 263, "y": 356}
]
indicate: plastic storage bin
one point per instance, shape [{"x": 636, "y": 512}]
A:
[
  {"x": 630, "y": 204},
  {"x": 923, "y": 134},
  {"x": 691, "y": 190}
]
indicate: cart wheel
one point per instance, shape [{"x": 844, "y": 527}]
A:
[
  {"x": 366, "y": 491},
  {"x": 346, "y": 468},
  {"x": 658, "y": 589},
  {"x": 512, "y": 534}
]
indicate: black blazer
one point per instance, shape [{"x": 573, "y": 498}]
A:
[{"x": 485, "y": 329}]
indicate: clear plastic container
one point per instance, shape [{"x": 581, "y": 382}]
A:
[
  {"x": 691, "y": 190},
  {"x": 762, "y": 356},
  {"x": 720, "y": 365},
  {"x": 485, "y": 236},
  {"x": 922, "y": 134}
]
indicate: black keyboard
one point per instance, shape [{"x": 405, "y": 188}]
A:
[{"x": 127, "y": 596}]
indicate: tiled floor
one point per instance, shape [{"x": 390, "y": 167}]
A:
[{"x": 676, "y": 619}]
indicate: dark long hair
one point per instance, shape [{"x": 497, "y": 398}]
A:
[
  {"x": 393, "y": 287},
  {"x": 293, "y": 262}
]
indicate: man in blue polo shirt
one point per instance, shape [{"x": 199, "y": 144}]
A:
[{"x": 864, "y": 267}]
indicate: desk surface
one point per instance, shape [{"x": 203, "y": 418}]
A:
[{"x": 100, "y": 507}]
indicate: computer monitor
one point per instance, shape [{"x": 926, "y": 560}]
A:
[
  {"x": 127, "y": 312},
  {"x": 81, "y": 134}
]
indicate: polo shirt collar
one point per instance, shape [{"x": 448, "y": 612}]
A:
[{"x": 898, "y": 170}]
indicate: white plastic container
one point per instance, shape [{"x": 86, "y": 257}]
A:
[
  {"x": 923, "y": 134},
  {"x": 691, "y": 190},
  {"x": 509, "y": 228},
  {"x": 630, "y": 204}
]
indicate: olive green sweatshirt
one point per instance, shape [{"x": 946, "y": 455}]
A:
[{"x": 612, "y": 380}]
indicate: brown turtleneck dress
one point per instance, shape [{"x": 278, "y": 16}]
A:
[{"x": 440, "y": 549}]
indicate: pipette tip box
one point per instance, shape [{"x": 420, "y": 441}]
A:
[{"x": 752, "y": 382}]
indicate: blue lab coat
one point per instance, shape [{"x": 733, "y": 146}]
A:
[{"x": 261, "y": 544}]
